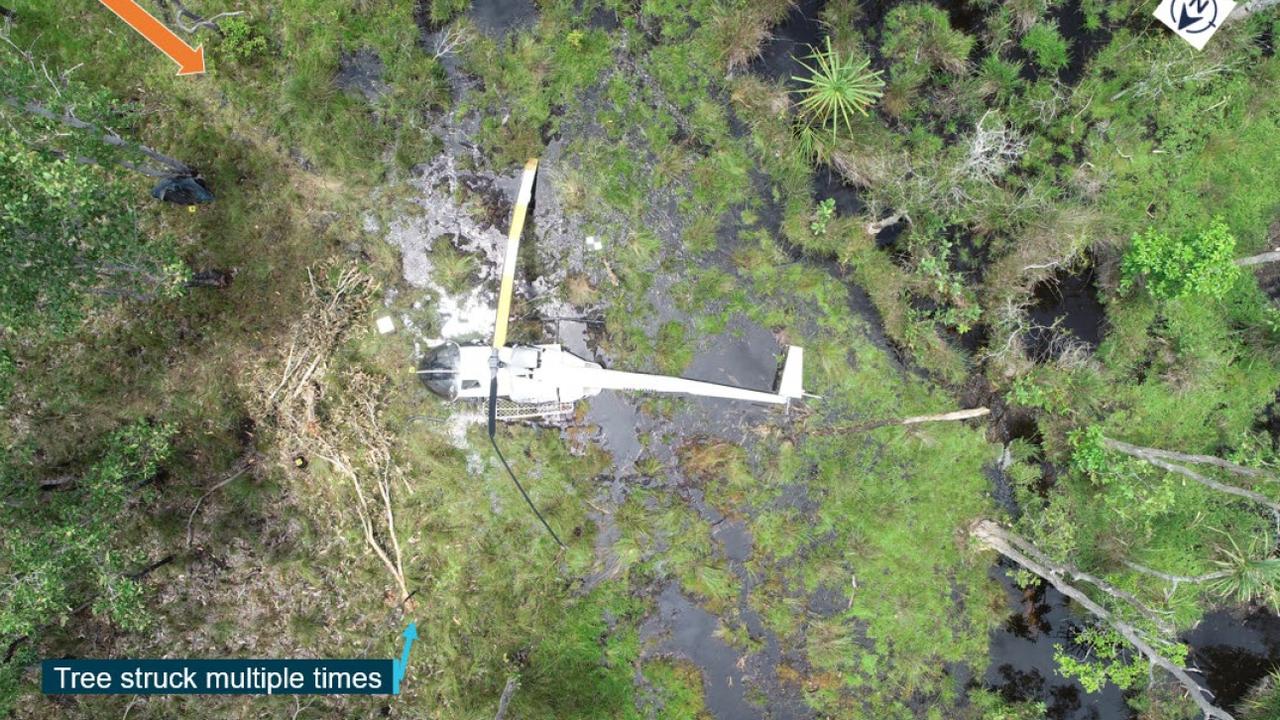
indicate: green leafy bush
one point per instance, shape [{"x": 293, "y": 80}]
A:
[
  {"x": 241, "y": 41},
  {"x": 1109, "y": 660},
  {"x": 822, "y": 214},
  {"x": 1047, "y": 47},
  {"x": 1175, "y": 268},
  {"x": 66, "y": 548}
]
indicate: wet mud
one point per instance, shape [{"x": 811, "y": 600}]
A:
[
  {"x": 497, "y": 18},
  {"x": 361, "y": 73},
  {"x": 791, "y": 42}
]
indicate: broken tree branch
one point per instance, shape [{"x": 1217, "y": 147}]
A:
[
  {"x": 243, "y": 467},
  {"x": 947, "y": 416},
  {"x": 1150, "y": 614},
  {"x": 1175, "y": 580},
  {"x": 969, "y": 414},
  {"x": 1259, "y": 259},
  {"x": 1002, "y": 541},
  {"x": 108, "y": 137},
  {"x": 874, "y": 228},
  {"x": 513, "y": 683},
  {"x": 1245, "y": 10},
  {"x": 197, "y": 21},
  {"x": 1158, "y": 458},
  {"x": 1246, "y": 471}
]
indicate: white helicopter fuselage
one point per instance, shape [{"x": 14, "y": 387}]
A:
[
  {"x": 538, "y": 374},
  {"x": 541, "y": 375}
]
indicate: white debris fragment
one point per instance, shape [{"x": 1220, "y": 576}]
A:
[
  {"x": 386, "y": 325},
  {"x": 593, "y": 243}
]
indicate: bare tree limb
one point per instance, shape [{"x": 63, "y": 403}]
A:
[
  {"x": 366, "y": 523},
  {"x": 1003, "y": 542},
  {"x": 1175, "y": 580},
  {"x": 243, "y": 467},
  {"x": 1246, "y": 9},
  {"x": 109, "y": 137},
  {"x": 947, "y": 416},
  {"x": 1260, "y": 258},
  {"x": 513, "y": 684},
  {"x": 1146, "y": 611},
  {"x": 875, "y": 227},
  {"x": 1158, "y": 458},
  {"x": 914, "y": 420},
  {"x": 197, "y": 21},
  {"x": 1184, "y": 457}
]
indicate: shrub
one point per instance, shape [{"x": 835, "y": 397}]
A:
[
  {"x": 1047, "y": 47},
  {"x": 999, "y": 77},
  {"x": 923, "y": 31},
  {"x": 1175, "y": 268},
  {"x": 837, "y": 86},
  {"x": 822, "y": 214},
  {"x": 240, "y": 40}
]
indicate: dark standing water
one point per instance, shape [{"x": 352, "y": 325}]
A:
[
  {"x": 498, "y": 17},
  {"x": 1066, "y": 311},
  {"x": 1084, "y": 43},
  {"x": 1022, "y": 665},
  {"x": 1234, "y": 649},
  {"x": 827, "y": 183}
]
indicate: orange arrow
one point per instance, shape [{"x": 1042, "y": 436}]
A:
[{"x": 190, "y": 60}]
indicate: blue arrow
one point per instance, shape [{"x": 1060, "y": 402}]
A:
[{"x": 398, "y": 666}]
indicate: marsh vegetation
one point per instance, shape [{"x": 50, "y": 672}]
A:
[{"x": 1053, "y": 209}]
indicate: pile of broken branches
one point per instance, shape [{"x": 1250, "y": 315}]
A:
[{"x": 334, "y": 416}]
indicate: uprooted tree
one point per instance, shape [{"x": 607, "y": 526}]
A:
[
  {"x": 1155, "y": 648},
  {"x": 1139, "y": 620}
]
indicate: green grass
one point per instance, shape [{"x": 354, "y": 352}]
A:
[{"x": 294, "y": 162}]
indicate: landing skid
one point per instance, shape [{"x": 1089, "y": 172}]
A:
[{"x": 509, "y": 411}]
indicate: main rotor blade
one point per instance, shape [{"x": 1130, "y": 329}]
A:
[
  {"x": 513, "y": 250},
  {"x": 493, "y": 439}
]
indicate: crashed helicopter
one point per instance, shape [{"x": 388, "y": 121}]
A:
[{"x": 543, "y": 381}]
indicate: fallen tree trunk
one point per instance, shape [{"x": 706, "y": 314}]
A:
[
  {"x": 513, "y": 684},
  {"x": 914, "y": 420},
  {"x": 1245, "y": 10},
  {"x": 1259, "y": 259},
  {"x": 1159, "y": 458},
  {"x": 1002, "y": 541},
  {"x": 946, "y": 417}
]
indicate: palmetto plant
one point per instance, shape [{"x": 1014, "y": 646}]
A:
[
  {"x": 1248, "y": 574},
  {"x": 837, "y": 86}
]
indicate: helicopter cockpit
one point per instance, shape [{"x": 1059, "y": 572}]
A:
[{"x": 439, "y": 370}]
